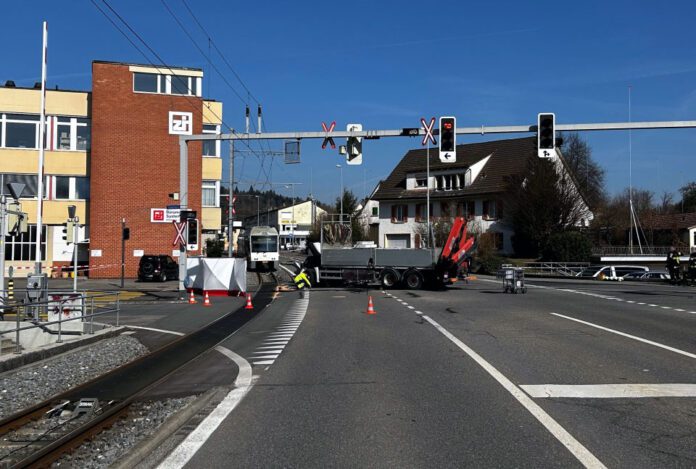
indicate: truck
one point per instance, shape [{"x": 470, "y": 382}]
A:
[{"x": 412, "y": 268}]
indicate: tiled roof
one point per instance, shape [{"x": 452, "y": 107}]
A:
[
  {"x": 508, "y": 158},
  {"x": 669, "y": 221}
]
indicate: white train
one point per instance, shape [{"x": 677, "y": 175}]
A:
[{"x": 260, "y": 247}]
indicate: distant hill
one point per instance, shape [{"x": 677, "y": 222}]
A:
[{"x": 245, "y": 205}]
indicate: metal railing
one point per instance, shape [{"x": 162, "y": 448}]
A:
[
  {"x": 631, "y": 251},
  {"x": 565, "y": 269},
  {"x": 61, "y": 302}
]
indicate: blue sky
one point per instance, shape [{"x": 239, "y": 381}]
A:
[{"x": 387, "y": 63}]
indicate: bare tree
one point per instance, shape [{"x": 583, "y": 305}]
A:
[{"x": 589, "y": 176}]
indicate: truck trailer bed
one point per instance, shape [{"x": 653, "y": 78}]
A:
[{"x": 381, "y": 257}]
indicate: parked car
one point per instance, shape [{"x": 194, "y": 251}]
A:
[
  {"x": 652, "y": 275},
  {"x": 610, "y": 272},
  {"x": 160, "y": 267}
]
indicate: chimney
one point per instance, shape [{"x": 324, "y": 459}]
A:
[{"x": 9, "y": 84}]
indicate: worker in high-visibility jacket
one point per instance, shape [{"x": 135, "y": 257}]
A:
[
  {"x": 302, "y": 280},
  {"x": 692, "y": 268}
]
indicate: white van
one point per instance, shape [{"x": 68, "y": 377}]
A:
[{"x": 610, "y": 272}]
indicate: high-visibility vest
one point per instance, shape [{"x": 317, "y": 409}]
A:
[{"x": 301, "y": 279}]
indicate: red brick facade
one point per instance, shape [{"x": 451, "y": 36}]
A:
[{"x": 134, "y": 166}]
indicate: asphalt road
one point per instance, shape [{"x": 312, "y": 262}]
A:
[{"x": 488, "y": 379}]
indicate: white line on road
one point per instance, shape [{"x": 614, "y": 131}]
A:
[
  {"x": 610, "y": 391},
  {"x": 263, "y": 357},
  {"x": 640, "y": 339},
  {"x": 193, "y": 442},
  {"x": 575, "y": 447},
  {"x": 264, "y": 362},
  {"x": 156, "y": 330}
]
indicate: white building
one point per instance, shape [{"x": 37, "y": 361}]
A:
[
  {"x": 293, "y": 223},
  {"x": 473, "y": 187}
]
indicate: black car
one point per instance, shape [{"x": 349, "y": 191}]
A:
[{"x": 160, "y": 268}]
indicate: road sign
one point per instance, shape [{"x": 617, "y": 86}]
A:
[
  {"x": 410, "y": 131},
  {"x": 428, "y": 131},
  {"x": 327, "y": 139},
  {"x": 354, "y": 145},
  {"x": 180, "y": 228},
  {"x": 164, "y": 215},
  {"x": 448, "y": 139}
]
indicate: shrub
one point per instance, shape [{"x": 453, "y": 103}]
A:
[{"x": 567, "y": 246}]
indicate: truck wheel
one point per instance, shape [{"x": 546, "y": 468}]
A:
[
  {"x": 389, "y": 278},
  {"x": 413, "y": 280}
]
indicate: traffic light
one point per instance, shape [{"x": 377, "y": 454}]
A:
[
  {"x": 68, "y": 232},
  {"x": 448, "y": 139},
  {"x": 126, "y": 234},
  {"x": 546, "y": 135},
  {"x": 192, "y": 235},
  {"x": 354, "y": 145}
]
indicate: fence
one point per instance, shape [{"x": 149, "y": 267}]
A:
[
  {"x": 565, "y": 269},
  {"x": 61, "y": 307},
  {"x": 631, "y": 251}
]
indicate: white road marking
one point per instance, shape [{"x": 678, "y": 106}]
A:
[
  {"x": 679, "y": 309},
  {"x": 575, "y": 447},
  {"x": 610, "y": 391},
  {"x": 163, "y": 331},
  {"x": 640, "y": 339},
  {"x": 263, "y": 357},
  {"x": 652, "y": 305},
  {"x": 411, "y": 307},
  {"x": 271, "y": 348},
  {"x": 640, "y": 303},
  {"x": 264, "y": 362},
  {"x": 193, "y": 442}
]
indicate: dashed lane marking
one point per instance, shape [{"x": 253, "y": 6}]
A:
[
  {"x": 610, "y": 391},
  {"x": 640, "y": 339}
]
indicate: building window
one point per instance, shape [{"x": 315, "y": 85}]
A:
[
  {"x": 23, "y": 246},
  {"x": 19, "y": 131},
  {"x": 375, "y": 211},
  {"x": 146, "y": 82},
  {"x": 211, "y": 194},
  {"x": 492, "y": 209},
  {"x": 422, "y": 212},
  {"x": 211, "y": 148},
  {"x": 421, "y": 182},
  {"x": 30, "y": 181},
  {"x": 399, "y": 213},
  {"x": 70, "y": 188},
  {"x": 167, "y": 84},
  {"x": 453, "y": 181},
  {"x": 68, "y": 133}
]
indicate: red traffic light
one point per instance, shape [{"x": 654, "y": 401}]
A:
[{"x": 447, "y": 125}]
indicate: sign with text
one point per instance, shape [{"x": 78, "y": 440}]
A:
[
  {"x": 180, "y": 123},
  {"x": 164, "y": 215}
]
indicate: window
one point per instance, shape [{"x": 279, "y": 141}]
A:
[
  {"x": 492, "y": 209},
  {"x": 375, "y": 211},
  {"x": 67, "y": 133},
  {"x": 30, "y": 181},
  {"x": 453, "y": 181},
  {"x": 83, "y": 134},
  {"x": 23, "y": 246},
  {"x": 210, "y": 197},
  {"x": 211, "y": 147},
  {"x": 422, "y": 212},
  {"x": 399, "y": 213},
  {"x": 20, "y": 131},
  {"x": 421, "y": 182},
  {"x": 63, "y": 133},
  {"x": 70, "y": 188},
  {"x": 167, "y": 84},
  {"x": 146, "y": 82}
]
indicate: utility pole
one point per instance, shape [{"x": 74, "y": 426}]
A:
[
  {"x": 75, "y": 246},
  {"x": 3, "y": 214},
  {"x": 123, "y": 250},
  {"x": 230, "y": 204},
  {"x": 341, "y": 198}
]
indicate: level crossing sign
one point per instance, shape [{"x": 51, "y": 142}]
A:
[
  {"x": 428, "y": 128},
  {"x": 327, "y": 139},
  {"x": 180, "y": 228}
]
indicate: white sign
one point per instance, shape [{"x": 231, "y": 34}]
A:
[
  {"x": 96, "y": 252},
  {"x": 175, "y": 253},
  {"x": 164, "y": 215},
  {"x": 550, "y": 153},
  {"x": 68, "y": 306},
  {"x": 180, "y": 123},
  {"x": 138, "y": 253}
]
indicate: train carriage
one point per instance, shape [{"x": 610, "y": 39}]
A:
[{"x": 260, "y": 247}]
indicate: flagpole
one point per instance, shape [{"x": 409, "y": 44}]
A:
[{"x": 42, "y": 132}]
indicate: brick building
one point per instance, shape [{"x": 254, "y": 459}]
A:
[{"x": 114, "y": 153}]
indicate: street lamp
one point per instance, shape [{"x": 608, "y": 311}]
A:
[{"x": 341, "y": 196}]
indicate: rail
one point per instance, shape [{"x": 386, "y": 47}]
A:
[
  {"x": 65, "y": 305},
  {"x": 646, "y": 251}
]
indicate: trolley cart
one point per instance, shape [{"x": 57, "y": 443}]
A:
[{"x": 513, "y": 279}]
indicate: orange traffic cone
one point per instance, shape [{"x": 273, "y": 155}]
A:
[
  {"x": 249, "y": 305},
  {"x": 370, "y": 306},
  {"x": 206, "y": 300},
  {"x": 192, "y": 299}
]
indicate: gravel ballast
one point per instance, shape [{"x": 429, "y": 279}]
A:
[{"x": 32, "y": 384}]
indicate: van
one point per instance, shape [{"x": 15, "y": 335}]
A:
[{"x": 610, "y": 272}]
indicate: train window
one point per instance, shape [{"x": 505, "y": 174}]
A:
[{"x": 264, "y": 244}]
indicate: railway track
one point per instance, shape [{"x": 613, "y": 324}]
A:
[{"x": 40, "y": 435}]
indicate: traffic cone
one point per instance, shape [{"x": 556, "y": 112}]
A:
[
  {"x": 370, "y": 306},
  {"x": 206, "y": 300},
  {"x": 249, "y": 305},
  {"x": 192, "y": 299}
]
